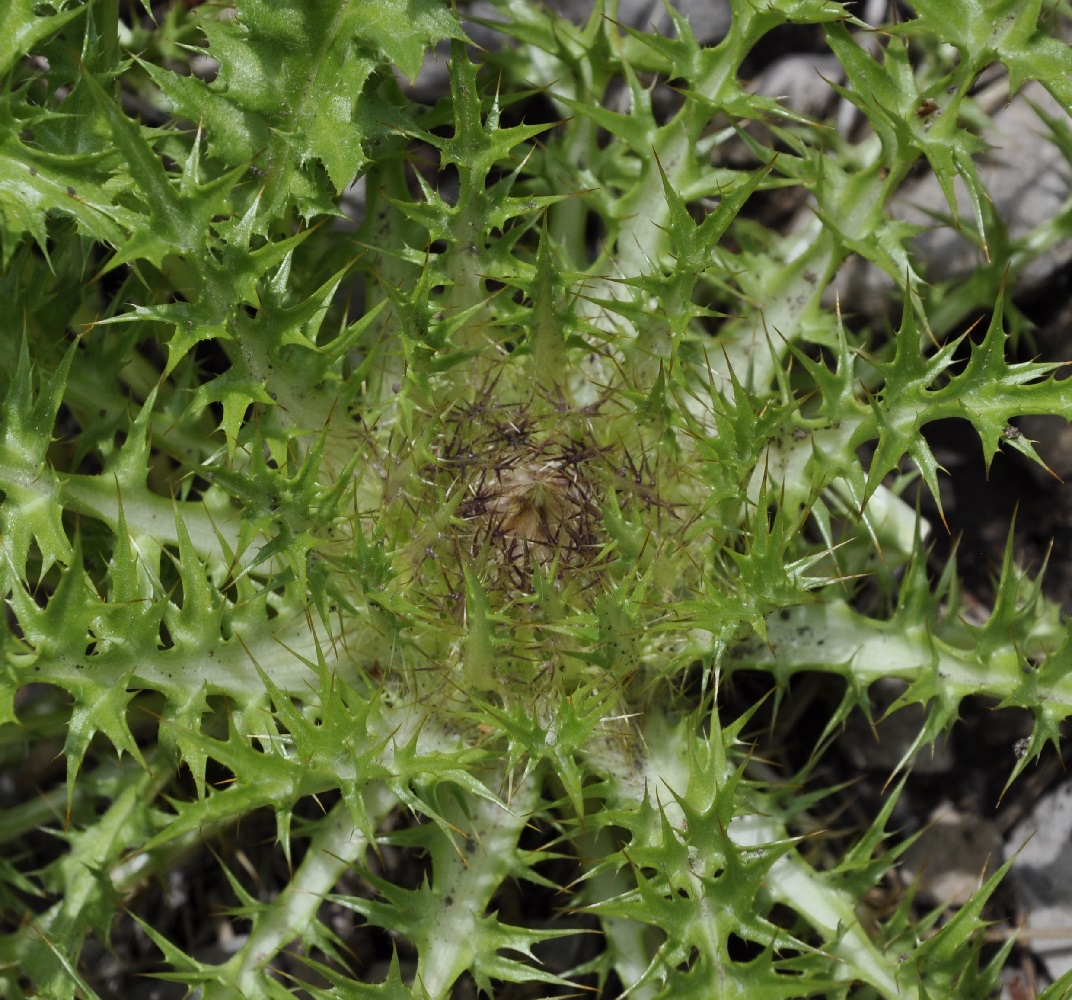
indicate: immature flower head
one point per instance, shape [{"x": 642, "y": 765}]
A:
[
  {"x": 531, "y": 494},
  {"x": 533, "y": 509},
  {"x": 519, "y": 524}
]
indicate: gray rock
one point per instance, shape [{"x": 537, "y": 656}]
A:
[
  {"x": 951, "y": 858},
  {"x": 1042, "y": 874},
  {"x": 1028, "y": 180}
]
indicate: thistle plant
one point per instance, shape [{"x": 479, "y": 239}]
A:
[{"x": 421, "y": 477}]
